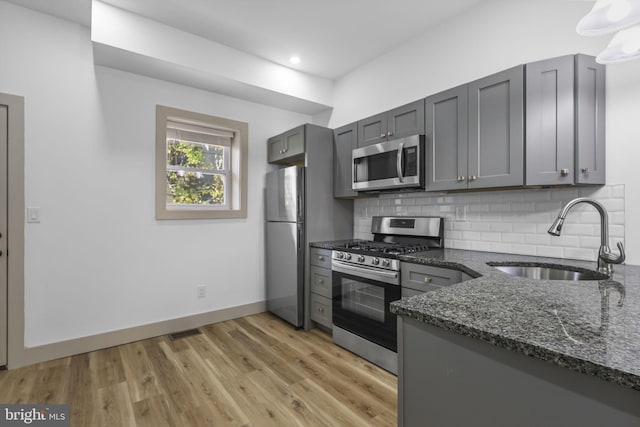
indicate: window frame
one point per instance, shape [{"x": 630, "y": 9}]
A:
[{"x": 236, "y": 206}]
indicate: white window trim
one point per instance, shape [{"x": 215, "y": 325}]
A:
[{"x": 236, "y": 178}]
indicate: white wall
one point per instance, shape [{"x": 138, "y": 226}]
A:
[
  {"x": 99, "y": 261},
  {"x": 493, "y": 36}
]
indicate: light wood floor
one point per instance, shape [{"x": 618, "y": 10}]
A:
[{"x": 254, "y": 371}]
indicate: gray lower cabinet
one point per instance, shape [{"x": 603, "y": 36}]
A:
[
  {"x": 447, "y": 379},
  {"x": 475, "y": 134},
  {"x": 320, "y": 286},
  {"x": 400, "y": 122},
  {"x": 565, "y": 119},
  {"x": 417, "y": 278},
  {"x": 344, "y": 140},
  {"x": 287, "y": 147}
]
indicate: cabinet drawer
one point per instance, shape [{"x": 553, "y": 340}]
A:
[
  {"x": 320, "y": 281},
  {"x": 320, "y": 257},
  {"x": 426, "y": 278},
  {"x": 321, "y": 310}
]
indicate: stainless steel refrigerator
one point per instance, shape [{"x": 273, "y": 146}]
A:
[{"x": 285, "y": 241}]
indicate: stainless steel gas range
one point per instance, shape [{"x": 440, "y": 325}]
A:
[{"x": 366, "y": 278}]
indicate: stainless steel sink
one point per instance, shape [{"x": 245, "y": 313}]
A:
[{"x": 547, "y": 272}]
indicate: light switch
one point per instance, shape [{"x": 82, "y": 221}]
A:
[{"x": 33, "y": 214}]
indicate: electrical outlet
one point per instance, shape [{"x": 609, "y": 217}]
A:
[
  {"x": 201, "y": 291},
  {"x": 461, "y": 213}
]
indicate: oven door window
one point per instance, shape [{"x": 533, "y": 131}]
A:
[{"x": 361, "y": 306}]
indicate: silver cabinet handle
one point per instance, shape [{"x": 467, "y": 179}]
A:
[
  {"x": 427, "y": 279},
  {"x": 564, "y": 172},
  {"x": 460, "y": 178},
  {"x": 382, "y": 135},
  {"x": 472, "y": 177},
  {"x": 321, "y": 281},
  {"x": 585, "y": 170},
  {"x": 320, "y": 257},
  {"x": 399, "y": 161},
  {"x": 389, "y": 133}
]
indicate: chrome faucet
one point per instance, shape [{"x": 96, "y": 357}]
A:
[{"x": 605, "y": 257}]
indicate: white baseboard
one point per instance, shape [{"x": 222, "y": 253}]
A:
[{"x": 46, "y": 352}]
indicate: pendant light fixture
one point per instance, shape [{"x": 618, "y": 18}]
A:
[{"x": 608, "y": 16}]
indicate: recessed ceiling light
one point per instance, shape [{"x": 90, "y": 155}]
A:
[{"x": 294, "y": 59}]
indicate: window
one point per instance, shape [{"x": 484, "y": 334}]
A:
[{"x": 201, "y": 166}]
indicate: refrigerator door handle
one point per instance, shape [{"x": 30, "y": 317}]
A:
[
  {"x": 299, "y": 207},
  {"x": 299, "y": 236}
]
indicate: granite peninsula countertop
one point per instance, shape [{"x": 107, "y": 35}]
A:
[{"x": 589, "y": 326}]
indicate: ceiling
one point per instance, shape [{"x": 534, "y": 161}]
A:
[{"x": 331, "y": 36}]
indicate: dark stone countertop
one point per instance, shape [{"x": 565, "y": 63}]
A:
[{"x": 578, "y": 325}]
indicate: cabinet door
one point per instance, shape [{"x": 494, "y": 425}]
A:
[
  {"x": 496, "y": 122},
  {"x": 446, "y": 134},
  {"x": 275, "y": 148},
  {"x": 294, "y": 142},
  {"x": 344, "y": 140},
  {"x": 372, "y": 130},
  {"x": 406, "y": 120},
  {"x": 590, "y": 121},
  {"x": 549, "y": 122}
]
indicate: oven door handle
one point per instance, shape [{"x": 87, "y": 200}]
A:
[
  {"x": 368, "y": 273},
  {"x": 399, "y": 161}
]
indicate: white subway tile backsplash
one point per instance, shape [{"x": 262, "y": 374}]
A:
[
  {"x": 524, "y": 249},
  {"x": 569, "y": 229},
  {"x": 480, "y": 226},
  {"x": 549, "y": 251},
  {"x": 480, "y": 246},
  {"x": 537, "y": 239},
  {"x": 501, "y": 247},
  {"x": 513, "y": 221},
  {"x": 491, "y": 237},
  {"x": 580, "y": 253},
  {"x": 616, "y": 231},
  {"x": 566, "y": 241},
  {"x": 525, "y": 227},
  {"x": 500, "y": 226},
  {"x": 512, "y": 238}
]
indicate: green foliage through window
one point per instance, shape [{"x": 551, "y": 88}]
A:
[{"x": 196, "y": 173}]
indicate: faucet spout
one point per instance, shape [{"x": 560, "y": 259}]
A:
[{"x": 605, "y": 257}]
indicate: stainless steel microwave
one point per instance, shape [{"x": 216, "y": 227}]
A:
[{"x": 389, "y": 165}]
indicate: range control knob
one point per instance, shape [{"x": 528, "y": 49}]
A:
[
  {"x": 375, "y": 261},
  {"x": 347, "y": 256},
  {"x": 360, "y": 258},
  {"x": 385, "y": 262},
  {"x": 339, "y": 255}
]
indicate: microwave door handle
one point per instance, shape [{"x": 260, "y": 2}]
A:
[{"x": 399, "y": 161}]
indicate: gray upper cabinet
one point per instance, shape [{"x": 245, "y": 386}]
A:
[
  {"x": 446, "y": 134},
  {"x": 403, "y": 121},
  {"x": 565, "y": 121},
  {"x": 590, "y": 121},
  {"x": 372, "y": 130},
  {"x": 549, "y": 123},
  {"x": 496, "y": 130},
  {"x": 344, "y": 140},
  {"x": 475, "y": 134},
  {"x": 287, "y": 147}
]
